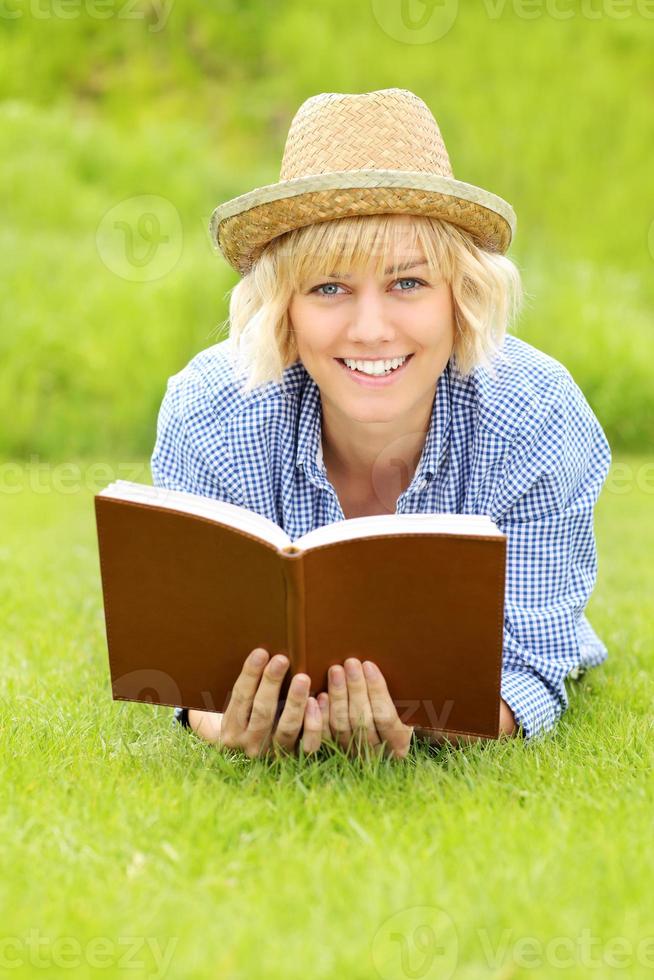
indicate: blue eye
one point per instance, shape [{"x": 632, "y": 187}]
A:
[{"x": 326, "y": 285}]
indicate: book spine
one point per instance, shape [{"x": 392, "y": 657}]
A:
[{"x": 293, "y": 566}]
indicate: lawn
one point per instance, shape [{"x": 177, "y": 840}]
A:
[{"x": 132, "y": 848}]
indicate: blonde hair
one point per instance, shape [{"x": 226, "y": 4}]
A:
[{"x": 486, "y": 286}]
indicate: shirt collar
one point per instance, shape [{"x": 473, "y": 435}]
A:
[
  {"x": 309, "y": 442},
  {"x": 438, "y": 436},
  {"x": 309, "y": 439}
]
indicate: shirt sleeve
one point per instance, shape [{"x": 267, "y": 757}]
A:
[
  {"x": 190, "y": 451},
  {"x": 554, "y": 472},
  {"x": 180, "y": 717},
  {"x": 189, "y": 454}
]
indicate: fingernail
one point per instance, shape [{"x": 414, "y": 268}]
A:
[
  {"x": 370, "y": 670},
  {"x": 279, "y": 665},
  {"x": 337, "y": 678},
  {"x": 352, "y": 669},
  {"x": 300, "y": 683},
  {"x": 259, "y": 657}
]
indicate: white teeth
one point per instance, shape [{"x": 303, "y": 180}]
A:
[{"x": 375, "y": 367}]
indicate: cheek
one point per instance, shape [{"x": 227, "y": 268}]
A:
[
  {"x": 299, "y": 324},
  {"x": 431, "y": 336},
  {"x": 436, "y": 324},
  {"x": 314, "y": 332},
  {"x": 309, "y": 343}
]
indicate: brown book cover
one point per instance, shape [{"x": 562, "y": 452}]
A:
[{"x": 191, "y": 585}]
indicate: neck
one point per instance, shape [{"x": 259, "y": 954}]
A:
[{"x": 373, "y": 454}]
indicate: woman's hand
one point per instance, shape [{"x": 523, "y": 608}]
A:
[
  {"x": 359, "y": 705},
  {"x": 248, "y": 722}
]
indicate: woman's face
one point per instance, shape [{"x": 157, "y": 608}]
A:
[{"x": 406, "y": 313}]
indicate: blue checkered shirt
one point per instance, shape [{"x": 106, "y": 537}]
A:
[{"x": 523, "y": 447}]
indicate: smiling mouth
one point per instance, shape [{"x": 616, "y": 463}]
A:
[{"x": 378, "y": 373}]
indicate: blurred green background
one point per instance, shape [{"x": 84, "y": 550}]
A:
[{"x": 122, "y": 125}]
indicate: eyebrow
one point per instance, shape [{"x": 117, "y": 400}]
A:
[{"x": 387, "y": 272}]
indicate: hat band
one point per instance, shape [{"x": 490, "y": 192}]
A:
[{"x": 343, "y": 180}]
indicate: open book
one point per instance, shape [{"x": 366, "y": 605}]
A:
[{"x": 191, "y": 585}]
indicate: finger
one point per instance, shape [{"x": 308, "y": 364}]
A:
[
  {"x": 264, "y": 706},
  {"x": 360, "y": 710},
  {"x": 237, "y": 712},
  {"x": 339, "y": 717},
  {"x": 292, "y": 716},
  {"x": 323, "y": 704},
  {"x": 313, "y": 724},
  {"x": 391, "y": 729}
]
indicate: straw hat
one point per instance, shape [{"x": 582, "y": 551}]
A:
[{"x": 351, "y": 154}]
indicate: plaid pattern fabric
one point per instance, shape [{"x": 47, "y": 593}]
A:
[{"x": 522, "y": 446}]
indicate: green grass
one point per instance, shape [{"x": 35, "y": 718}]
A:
[{"x": 114, "y": 825}]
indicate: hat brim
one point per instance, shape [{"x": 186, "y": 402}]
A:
[{"x": 242, "y": 227}]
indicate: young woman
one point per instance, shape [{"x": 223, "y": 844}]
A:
[{"x": 369, "y": 370}]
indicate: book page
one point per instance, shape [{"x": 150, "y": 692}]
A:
[
  {"x": 192, "y": 503},
  {"x": 376, "y": 524}
]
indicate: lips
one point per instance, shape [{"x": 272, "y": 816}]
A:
[
  {"x": 407, "y": 358},
  {"x": 374, "y": 380}
]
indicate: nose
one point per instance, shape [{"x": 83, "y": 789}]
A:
[{"x": 369, "y": 326}]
